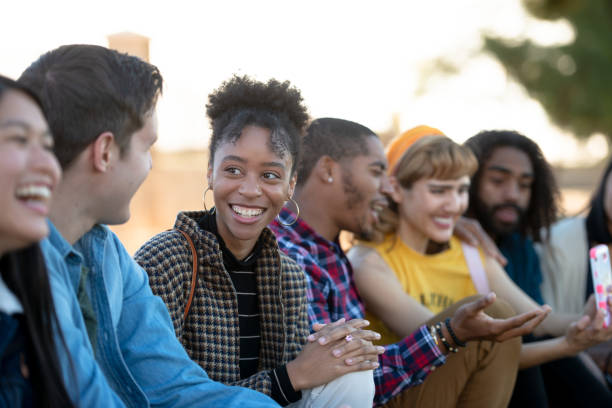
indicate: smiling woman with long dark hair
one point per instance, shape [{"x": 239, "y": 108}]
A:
[{"x": 30, "y": 372}]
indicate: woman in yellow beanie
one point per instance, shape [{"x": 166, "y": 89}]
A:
[{"x": 417, "y": 269}]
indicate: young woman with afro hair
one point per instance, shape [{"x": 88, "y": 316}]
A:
[{"x": 247, "y": 323}]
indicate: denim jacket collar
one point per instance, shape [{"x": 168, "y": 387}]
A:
[{"x": 59, "y": 242}]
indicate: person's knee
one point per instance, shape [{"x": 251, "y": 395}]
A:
[
  {"x": 353, "y": 389},
  {"x": 500, "y": 309},
  {"x": 361, "y": 384}
]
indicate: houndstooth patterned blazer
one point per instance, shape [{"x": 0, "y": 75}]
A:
[{"x": 210, "y": 334}]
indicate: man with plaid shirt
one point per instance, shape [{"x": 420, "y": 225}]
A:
[
  {"x": 332, "y": 295},
  {"x": 342, "y": 184}
]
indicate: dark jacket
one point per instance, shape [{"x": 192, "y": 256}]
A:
[
  {"x": 210, "y": 333},
  {"x": 15, "y": 390}
]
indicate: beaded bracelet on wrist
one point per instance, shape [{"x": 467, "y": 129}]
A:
[
  {"x": 432, "y": 332},
  {"x": 450, "y": 348},
  {"x": 452, "y": 333}
]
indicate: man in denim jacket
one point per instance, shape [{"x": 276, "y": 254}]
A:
[{"x": 100, "y": 105}]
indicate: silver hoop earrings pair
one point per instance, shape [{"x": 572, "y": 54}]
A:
[
  {"x": 297, "y": 208},
  {"x": 212, "y": 211}
]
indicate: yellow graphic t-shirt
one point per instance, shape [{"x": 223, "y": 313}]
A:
[{"x": 436, "y": 281}]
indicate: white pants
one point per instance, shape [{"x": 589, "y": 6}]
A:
[{"x": 354, "y": 390}]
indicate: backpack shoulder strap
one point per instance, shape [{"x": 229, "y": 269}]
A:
[
  {"x": 194, "y": 274},
  {"x": 477, "y": 272}
]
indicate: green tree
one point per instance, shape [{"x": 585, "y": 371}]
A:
[{"x": 573, "y": 82}]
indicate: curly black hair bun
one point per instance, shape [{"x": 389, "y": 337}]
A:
[{"x": 242, "y": 92}]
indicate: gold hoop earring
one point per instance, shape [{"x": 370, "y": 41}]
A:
[
  {"x": 288, "y": 224},
  {"x": 212, "y": 210}
]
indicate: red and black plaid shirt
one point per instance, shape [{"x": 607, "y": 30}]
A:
[{"x": 332, "y": 295}]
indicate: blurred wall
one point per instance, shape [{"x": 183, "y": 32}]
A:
[{"x": 175, "y": 183}]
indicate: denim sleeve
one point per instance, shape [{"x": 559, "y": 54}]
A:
[
  {"x": 156, "y": 358},
  {"x": 86, "y": 383}
]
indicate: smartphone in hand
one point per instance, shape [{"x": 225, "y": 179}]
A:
[{"x": 602, "y": 278}]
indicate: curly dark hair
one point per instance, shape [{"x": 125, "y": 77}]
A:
[
  {"x": 597, "y": 219},
  {"x": 544, "y": 203},
  {"x": 242, "y": 101}
]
